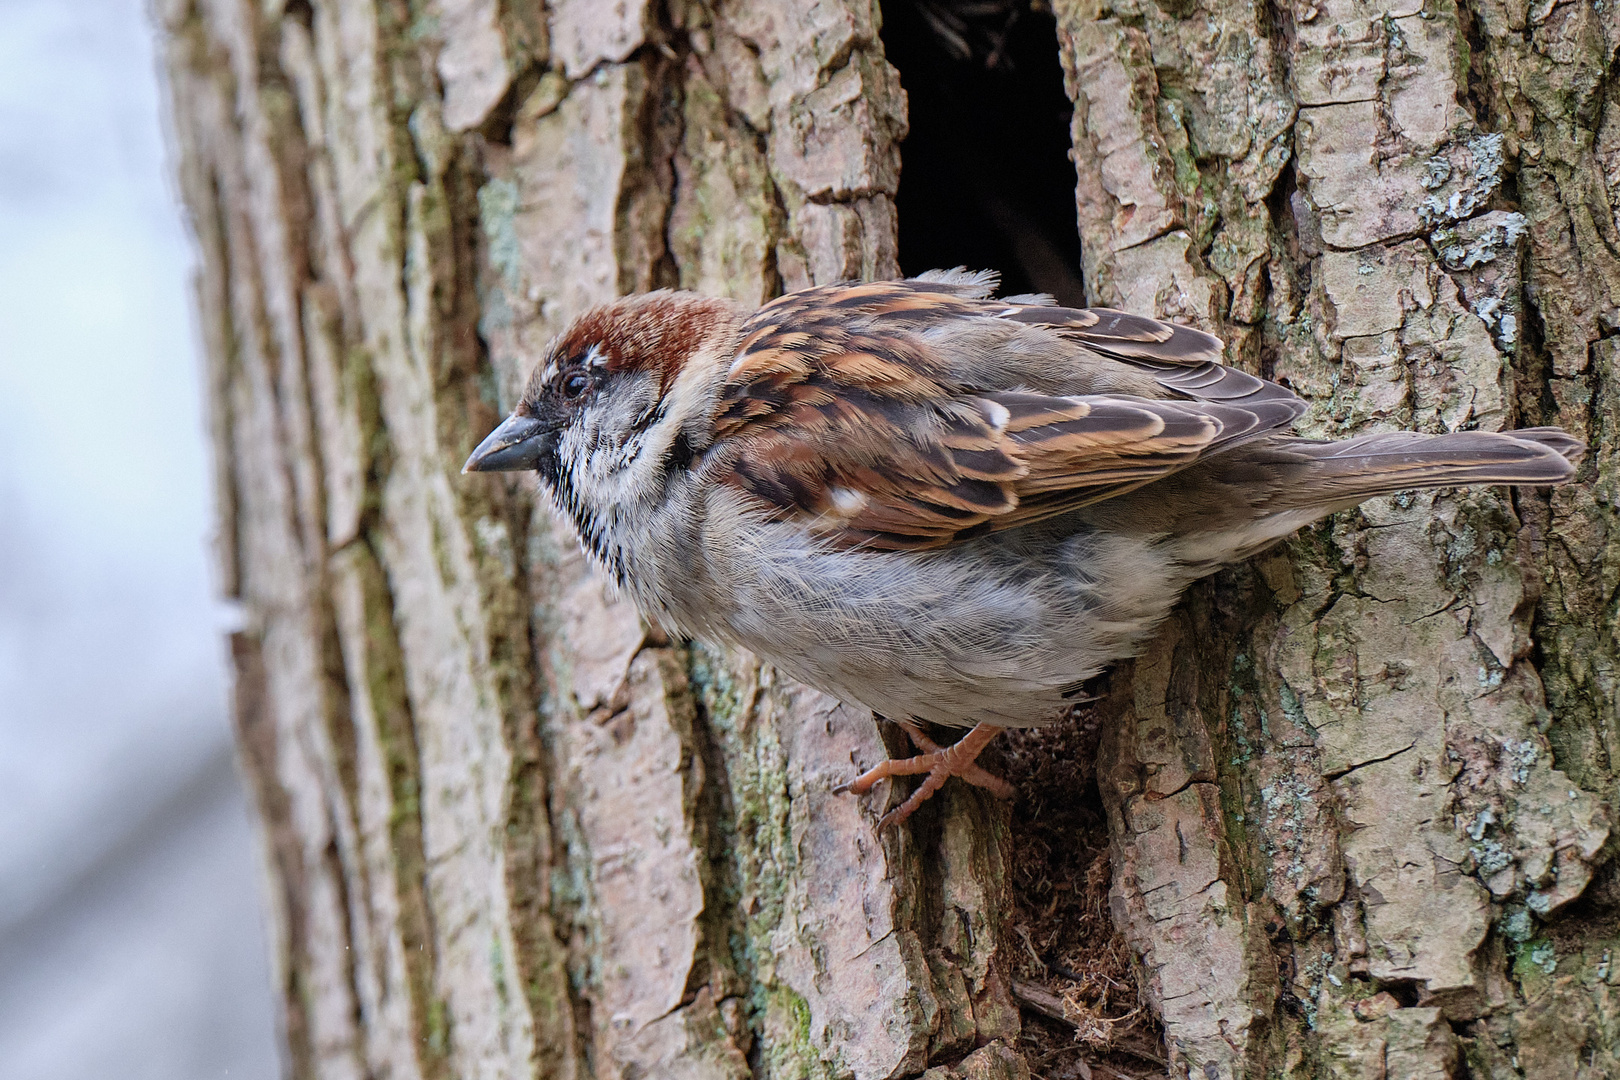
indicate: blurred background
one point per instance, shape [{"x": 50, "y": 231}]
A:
[{"x": 132, "y": 940}]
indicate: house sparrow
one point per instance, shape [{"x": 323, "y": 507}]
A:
[{"x": 938, "y": 505}]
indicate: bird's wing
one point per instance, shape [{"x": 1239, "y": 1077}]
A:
[
  {"x": 1181, "y": 359},
  {"x": 838, "y": 411}
]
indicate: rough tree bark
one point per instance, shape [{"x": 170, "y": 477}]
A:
[{"x": 1357, "y": 793}]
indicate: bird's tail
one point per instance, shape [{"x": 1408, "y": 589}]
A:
[{"x": 1342, "y": 474}]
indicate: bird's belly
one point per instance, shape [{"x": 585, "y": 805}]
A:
[{"x": 992, "y": 630}]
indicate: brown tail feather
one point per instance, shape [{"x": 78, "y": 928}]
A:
[
  {"x": 1345, "y": 473},
  {"x": 1571, "y": 448}
]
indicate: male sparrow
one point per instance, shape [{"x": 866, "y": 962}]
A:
[{"x": 939, "y": 505}]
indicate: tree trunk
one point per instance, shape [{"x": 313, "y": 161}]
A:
[{"x": 1355, "y": 797}]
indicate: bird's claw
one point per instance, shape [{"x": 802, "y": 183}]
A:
[{"x": 939, "y": 763}]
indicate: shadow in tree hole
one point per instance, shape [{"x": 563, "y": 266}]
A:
[{"x": 986, "y": 181}]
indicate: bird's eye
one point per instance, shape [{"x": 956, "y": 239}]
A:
[{"x": 576, "y": 384}]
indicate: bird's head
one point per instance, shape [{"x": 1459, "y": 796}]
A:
[{"x": 617, "y": 401}]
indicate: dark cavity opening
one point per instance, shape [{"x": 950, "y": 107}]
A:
[{"x": 986, "y": 179}]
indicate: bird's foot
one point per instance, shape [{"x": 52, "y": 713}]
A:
[{"x": 940, "y": 763}]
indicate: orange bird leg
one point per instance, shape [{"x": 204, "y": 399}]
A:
[{"x": 940, "y": 763}]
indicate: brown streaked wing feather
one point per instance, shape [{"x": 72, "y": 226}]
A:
[
  {"x": 1121, "y": 334},
  {"x": 897, "y": 477},
  {"x": 1119, "y": 444},
  {"x": 1181, "y": 358},
  {"x": 837, "y": 413}
]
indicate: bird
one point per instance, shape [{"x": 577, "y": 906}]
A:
[{"x": 947, "y": 507}]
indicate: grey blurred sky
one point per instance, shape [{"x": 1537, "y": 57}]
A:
[{"x": 131, "y": 942}]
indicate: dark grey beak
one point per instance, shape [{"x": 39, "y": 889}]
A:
[{"x": 517, "y": 445}]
